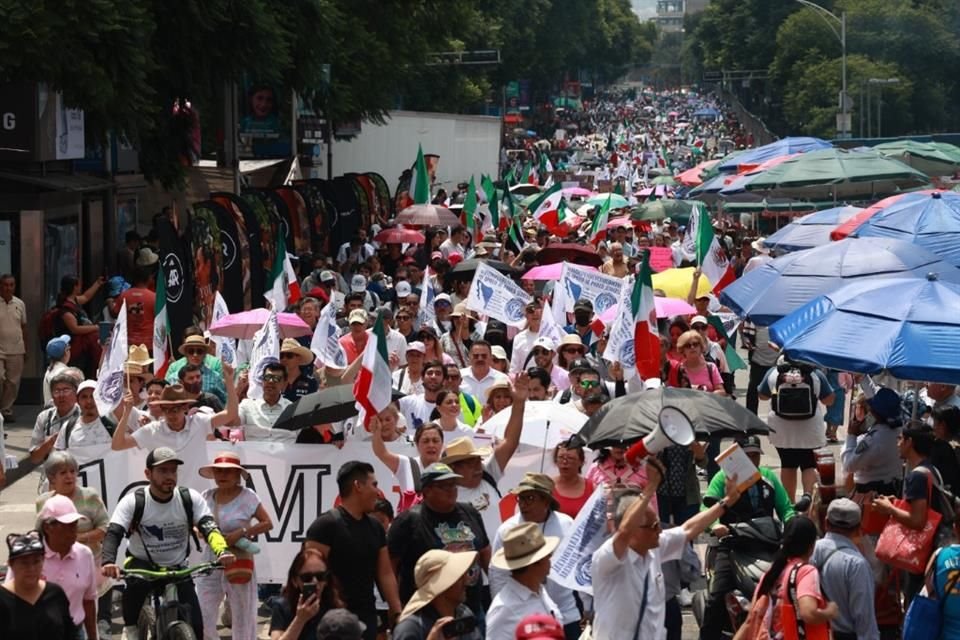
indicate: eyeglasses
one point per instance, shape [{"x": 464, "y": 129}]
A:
[
  {"x": 401, "y": 318},
  {"x": 64, "y": 391},
  {"x": 575, "y": 350},
  {"x": 272, "y": 377},
  {"x": 195, "y": 352},
  {"x": 319, "y": 576},
  {"x": 287, "y": 356},
  {"x": 589, "y": 384}
]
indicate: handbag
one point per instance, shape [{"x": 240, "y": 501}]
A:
[
  {"x": 924, "y": 619},
  {"x": 872, "y": 522},
  {"x": 793, "y": 627},
  {"x": 241, "y": 571},
  {"x": 906, "y": 548},
  {"x": 753, "y": 628}
]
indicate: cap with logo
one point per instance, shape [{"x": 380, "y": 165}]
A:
[
  {"x": 358, "y": 283},
  {"x": 436, "y": 472},
  {"x": 403, "y": 289},
  {"x": 162, "y": 455}
]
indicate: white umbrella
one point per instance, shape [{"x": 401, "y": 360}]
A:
[{"x": 545, "y": 423}]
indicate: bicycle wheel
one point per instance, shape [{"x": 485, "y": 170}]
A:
[
  {"x": 179, "y": 630},
  {"x": 146, "y": 623}
]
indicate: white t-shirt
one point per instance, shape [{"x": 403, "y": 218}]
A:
[
  {"x": 522, "y": 346},
  {"x": 164, "y": 529},
  {"x": 460, "y": 431},
  {"x": 83, "y": 434},
  {"x": 416, "y": 411},
  {"x": 618, "y": 587},
  {"x": 795, "y": 434},
  {"x": 484, "y": 497},
  {"x": 258, "y": 418},
  {"x": 189, "y": 443}
]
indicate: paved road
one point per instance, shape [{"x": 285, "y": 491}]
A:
[{"x": 17, "y": 502}]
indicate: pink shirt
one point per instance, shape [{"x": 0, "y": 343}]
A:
[
  {"x": 610, "y": 474},
  {"x": 808, "y": 584},
  {"x": 76, "y": 573}
]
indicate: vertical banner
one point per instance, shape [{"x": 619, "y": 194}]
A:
[
  {"x": 207, "y": 253},
  {"x": 110, "y": 379},
  {"x": 573, "y": 558},
  {"x": 177, "y": 273}
]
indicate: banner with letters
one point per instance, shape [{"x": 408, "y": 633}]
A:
[
  {"x": 295, "y": 483},
  {"x": 576, "y": 283},
  {"x": 572, "y": 559},
  {"x": 497, "y": 296}
]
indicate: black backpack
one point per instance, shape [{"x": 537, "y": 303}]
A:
[
  {"x": 140, "y": 501},
  {"x": 107, "y": 423},
  {"x": 795, "y": 397}
]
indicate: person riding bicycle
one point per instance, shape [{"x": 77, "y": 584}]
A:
[
  {"x": 763, "y": 499},
  {"x": 163, "y": 517}
]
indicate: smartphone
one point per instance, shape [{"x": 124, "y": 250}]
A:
[
  {"x": 309, "y": 589},
  {"x": 459, "y": 627}
]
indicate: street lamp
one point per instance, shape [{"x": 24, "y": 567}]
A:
[
  {"x": 879, "y": 83},
  {"x": 843, "y": 119}
]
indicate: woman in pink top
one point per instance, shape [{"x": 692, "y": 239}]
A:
[
  {"x": 611, "y": 469},
  {"x": 694, "y": 372}
]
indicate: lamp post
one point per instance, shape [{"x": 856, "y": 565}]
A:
[
  {"x": 843, "y": 119},
  {"x": 879, "y": 83}
]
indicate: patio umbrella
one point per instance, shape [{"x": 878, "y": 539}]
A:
[
  {"x": 675, "y": 283},
  {"x": 929, "y": 220},
  {"x": 332, "y": 404},
  {"x": 836, "y": 173},
  {"x": 398, "y": 235},
  {"x": 933, "y": 158},
  {"x": 622, "y": 221},
  {"x": 545, "y": 423},
  {"x": 666, "y": 308},
  {"x": 656, "y": 191},
  {"x": 692, "y": 177},
  {"x": 466, "y": 269},
  {"x": 576, "y": 192},
  {"x": 777, "y": 288},
  {"x": 634, "y": 415},
  {"x": 524, "y": 189},
  {"x": 427, "y": 215},
  {"x": 569, "y": 252},
  {"x": 898, "y": 325},
  {"x": 617, "y": 201},
  {"x": 666, "y": 181},
  {"x": 811, "y": 230},
  {"x": 244, "y": 324},
  {"x": 782, "y": 147},
  {"x": 550, "y": 271},
  {"x": 676, "y": 210}
]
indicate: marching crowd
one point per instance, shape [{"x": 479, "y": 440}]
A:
[{"x": 443, "y": 562}]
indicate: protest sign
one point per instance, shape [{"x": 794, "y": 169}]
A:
[{"x": 497, "y": 296}]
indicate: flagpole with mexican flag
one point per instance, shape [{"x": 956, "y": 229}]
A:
[
  {"x": 284, "y": 288},
  {"x": 470, "y": 207},
  {"x": 372, "y": 388},
  {"x": 711, "y": 258},
  {"x": 161, "y": 327},
  {"x": 420, "y": 180},
  {"x": 546, "y": 208},
  {"x": 646, "y": 337},
  {"x": 598, "y": 230}
]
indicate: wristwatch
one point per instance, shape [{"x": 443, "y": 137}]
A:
[{"x": 724, "y": 504}]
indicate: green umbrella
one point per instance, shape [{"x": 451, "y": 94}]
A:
[
  {"x": 667, "y": 181},
  {"x": 836, "y": 173},
  {"x": 933, "y": 158},
  {"x": 678, "y": 210},
  {"x": 616, "y": 200}
]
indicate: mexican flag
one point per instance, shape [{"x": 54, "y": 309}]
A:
[
  {"x": 525, "y": 174},
  {"x": 546, "y": 208},
  {"x": 470, "y": 207},
  {"x": 546, "y": 167},
  {"x": 372, "y": 388},
  {"x": 713, "y": 260},
  {"x": 598, "y": 230},
  {"x": 161, "y": 327},
  {"x": 284, "y": 287},
  {"x": 646, "y": 339},
  {"x": 509, "y": 214},
  {"x": 420, "y": 180}
]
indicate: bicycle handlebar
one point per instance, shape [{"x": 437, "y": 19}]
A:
[{"x": 170, "y": 574}]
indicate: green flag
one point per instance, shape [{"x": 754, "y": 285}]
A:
[
  {"x": 470, "y": 206},
  {"x": 598, "y": 230},
  {"x": 420, "y": 180}
]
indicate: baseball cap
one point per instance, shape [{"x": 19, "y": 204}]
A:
[
  {"x": 57, "y": 347},
  {"x": 437, "y": 472},
  {"x": 340, "y": 624},
  {"x": 843, "y": 513},
  {"x": 435, "y": 255},
  {"x": 580, "y": 365},
  {"x": 59, "y": 508},
  {"x": 539, "y": 626},
  {"x": 357, "y": 315},
  {"x": 87, "y": 384},
  {"x": 442, "y": 298},
  {"x": 498, "y": 352},
  {"x": 162, "y": 455},
  {"x": 695, "y": 320},
  {"x": 416, "y": 345},
  {"x": 403, "y": 289},
  {"x": 583, "y": 304},
  {"x": 358, "y": 283},
  {"x": 545, "y": 342},
  {"x": 319, "y": 294},
  {"x": 327, "y": 276},
  {"x": 751, "y": 444}
]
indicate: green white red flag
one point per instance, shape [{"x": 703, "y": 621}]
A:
[
  {"x": 372, "y": 388},
  {"x": 646, "y": 338},
  {"x": 284, "y": 288},
  {"x": 420, "y": 180},
  {"x": 598, "y": 230},
  {"x": 468, "y": 216},
  {"x": 712, "y": 259},
  {"x": 546, "y": 208}
]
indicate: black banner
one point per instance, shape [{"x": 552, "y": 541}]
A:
[
  {"x": 234, "y": 256},
  {"x": 206, "y": 252},
  {"x": 177, "y": 268},
  {"x": 248, "y": 226}
]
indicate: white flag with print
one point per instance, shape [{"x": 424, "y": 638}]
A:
[
  {"x": 497, "y": 296},
  {"x": 110, "y": 380},
  {"x": 326, "y": 340},
  {"x": 226, "y": 347},
  {"x": 266, "y": 349}
]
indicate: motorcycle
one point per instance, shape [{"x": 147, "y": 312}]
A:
[{"x": 751, "y": 546}]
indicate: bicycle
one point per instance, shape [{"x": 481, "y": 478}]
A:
[{"x": 165, "y": 620}]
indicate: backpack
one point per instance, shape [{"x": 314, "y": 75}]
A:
[
  {"x": 140, "y": 501},
  {"x": 107, "y": 423},
  {"x": 795, "y": 397}
]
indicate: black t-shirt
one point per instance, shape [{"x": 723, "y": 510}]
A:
[
  {"x": 282, "y": 617},
  {"x": 420, "y": 529},
  {"x": 917, "y": 485},
  {"x": 354, "y": 548},
  {"x": 49, "y": 617}
]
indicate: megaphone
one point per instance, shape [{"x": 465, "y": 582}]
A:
[{"x": 673, "y": 427}]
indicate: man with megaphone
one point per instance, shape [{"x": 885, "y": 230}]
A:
[{"x": 627, "y": 568}]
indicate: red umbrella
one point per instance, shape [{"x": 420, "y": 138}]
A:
[
  {"x": 427, "y": 215},
  {"x": 569, "y": 252},
  {"x": 399, "y": 235}
]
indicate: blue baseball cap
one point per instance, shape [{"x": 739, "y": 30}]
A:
[
  {"x": 57, "y": 347},
  {"x": 116, "y": 285}
]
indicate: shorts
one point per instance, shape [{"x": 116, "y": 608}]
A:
[{"x": 793, "y": 458}]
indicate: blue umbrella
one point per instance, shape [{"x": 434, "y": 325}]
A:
[
  {"x": 929, "y": 220},
  {"x": 706, "y": 112},
  {"x": 782, "y": 147},
  {"x": 812, "y": 230},
  {"x": 781, "y": 286},
  {"x": 899, "y": 325}
]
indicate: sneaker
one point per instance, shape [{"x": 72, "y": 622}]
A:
[
  {"x": 803, "y": 503},
  {"x": 685, "y": 598}
]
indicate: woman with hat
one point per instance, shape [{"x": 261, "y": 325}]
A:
[
  {"x": 234, "y": 507},
  {"x": 298, "y": 361},
  {"x": 441, "y": 579},
  {"x": 499, "y": 397},
  {"x": 31, "y": 607},
  {"x": 538, "y": 506},
  {"x": 526, "y": 555},
  {"x": 871, "y": 455}
]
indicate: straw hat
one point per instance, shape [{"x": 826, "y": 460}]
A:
[
  {"x": 193, "y": 341},
  {"x": 224, "y": 460},
  {"x": 138, "y": 362},
  {"x": 173, "y": 394},
  {"x": 524, "y": 545},
  {"x": 539, "y": 482},
  {"x": 463, "y": 449},
  {"x": 497, "y": 386},
  {"x": 290, "y": 345},
  {"x": 436, "y": 571}
]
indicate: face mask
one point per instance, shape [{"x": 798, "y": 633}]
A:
[
  {"x": 582, "y": 318},
  {"x": 193, "y": 388}
]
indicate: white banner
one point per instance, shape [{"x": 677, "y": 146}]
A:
[
  {"x": 295, "y": 483},
  {"x": 110, "y": 380},
  {"x": 620, "y": 345},
  {"x": 497, "y": 296},
  {"x": 266, "y": 348},
  {"x": 572, "y": 560},
  {"x": 576, "y": 283},
  {"x": 226, "y": 347},
  {"x": 326, "y": 339}
]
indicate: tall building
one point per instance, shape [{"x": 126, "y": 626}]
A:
[{"x": 670, "y": 13}]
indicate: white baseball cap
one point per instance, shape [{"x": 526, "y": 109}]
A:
[
  {"x": 403, "y": 289},
  {"x": 358, "y": 283},
  {"x": 544, "y": 342}
]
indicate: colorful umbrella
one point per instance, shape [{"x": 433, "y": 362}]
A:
[
  {"x": 550, "y": 271},
  {"x": 692, "y": 177},
  {"x": 398, "y": 235},
  {"x": 616, "y": 200},
  {"x": 427, "y": 215},
  {"x": 244, "y": 324},
  {"x": 811, "y": 230},
  {"x": 666, "y": 308},
  {"x": 675, "y": 283},
  {"x": 666, "y": 181},
  {"x": 569, "y": 252},
  {"x": 676, "y": 210},
  {"x": 525, "y": 189},
  {"x": 782, "y": 147},
  {"x": 933, "y": 158}
]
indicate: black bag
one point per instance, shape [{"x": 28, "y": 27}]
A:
[{"x": 795, "y": 397}]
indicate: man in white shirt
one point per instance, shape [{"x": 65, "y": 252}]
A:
[
  {"x": 63, "y": 388},
  {"x": 408, "y": 378},
  {"x": 257, "y": 417},
  {"x": 453, "y": 244},
  {"x": 396, "y": 342},
  {"x": 479, "y": 376},
  {"x": 526, "y": 555},
  {"x": 416, "y": 408},
  {"x": 523, "y": 343},
  {"x": 628, "y": 585},
  {"x": 90, "y": 429}
]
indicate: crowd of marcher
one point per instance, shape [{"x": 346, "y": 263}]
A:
[{"x": 442, "y": 562}]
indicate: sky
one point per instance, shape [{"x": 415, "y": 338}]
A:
[{"x": 644, "y": 8}]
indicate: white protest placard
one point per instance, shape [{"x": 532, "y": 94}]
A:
[
  {"x": 265, "y": 349},
  {"x": 326, "y": 340},
  {"x": 497, "y": 296},
  {"x": 577, "y": 283},
  {"x": 620, "y": 344},
  {"x": 226, "y": 347},
  {"x": 573, "y": 558},
  {"x": 111, "y": 383}
]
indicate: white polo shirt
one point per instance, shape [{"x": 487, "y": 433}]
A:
[
  {"x": 478, "y": 388},
  {"x": 618, "y": 587},
  {"x": 514, "y": 603}
]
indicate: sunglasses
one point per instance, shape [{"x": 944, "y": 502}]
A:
[
  {"x": 403, "y": 317},
  {"x": 575, "y": 350},
  {"x": 318, "y": 576},
  {"x": 530, "y": 496},
  {"x": 589, "y": 384},
  {"x": 195, "y": 352},
  {"x": 272, "y": 377},
  {"x": 692, "y": 345}
]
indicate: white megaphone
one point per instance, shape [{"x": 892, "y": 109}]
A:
[{"x": 673, "y": 427}]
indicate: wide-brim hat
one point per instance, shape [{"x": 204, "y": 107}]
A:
[
  {"x": 436, "y": 571},
  {"x": 139, "y": 355},
  {"x": 290, "y": 345},
  {"x": 138, "y": 371},
  {"x": 539, "y": 482},
  {"x": 463, "y": 449},
  {"x": 524, "y": 545},
  {"x": 224, "y": 460},
  {"x": 171, "y": 395},
  {"x": 193, "y": 341},
  {"x": 497, "y": 386}
]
